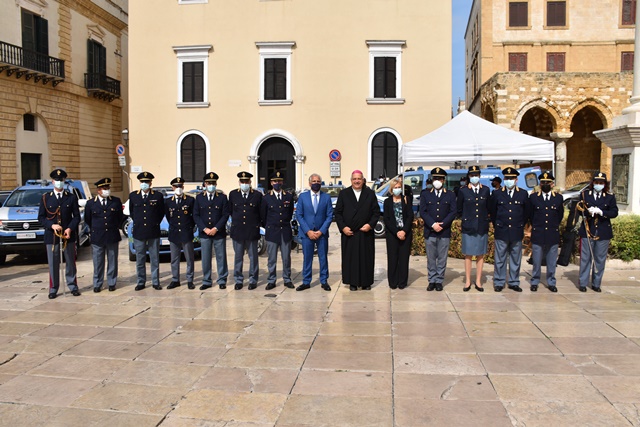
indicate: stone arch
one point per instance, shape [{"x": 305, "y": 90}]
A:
[
  {"x": 586, "y": 154},
  {"x": 291, "y": 139},
  {"x": 543, "y": 104},
  {"x": 32, "y": 147},
  {"x": 598, "y": 106},
  {"x": 487, "y": 113}
]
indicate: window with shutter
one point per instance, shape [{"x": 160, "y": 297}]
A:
[
  {"x": 384, "y": 155},
  {"x": 275, "y": 72},
  {"x": 556, "y": 14},
  {"x": 385, "y": 77},
  {"x": 518, "y": 14},
  {"x": 35, "y": 41},
  {"x": 517, "y": 62},
  {"x": 193, "y": 66},
  {"x": 385, "y": 71},
  {"x": 555, "y": 61},
  {"x": 193, "y": 158},
  {"x": 627, "y": 61},
  {"x": 275, "y": 79},
  {"x": 628, "y": 12},
  {"x": 192, "y": 81}
]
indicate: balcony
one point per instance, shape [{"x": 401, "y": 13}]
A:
[
  {"x": 30, "y": 64},
  {"x": 101, "y": 86}
]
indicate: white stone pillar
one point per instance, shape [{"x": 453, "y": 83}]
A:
[
  {"x": 253, "y": 169},
  {"x": 561, "y": 138},
  {"x": 300, "y": 183}
]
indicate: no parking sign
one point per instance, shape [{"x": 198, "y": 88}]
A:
[{"x": 335, "y": 156}]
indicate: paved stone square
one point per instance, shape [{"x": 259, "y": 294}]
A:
[{"x": 255, "y": 358}]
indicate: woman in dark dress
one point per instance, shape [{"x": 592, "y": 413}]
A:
[{"x": 398, "y": 220}]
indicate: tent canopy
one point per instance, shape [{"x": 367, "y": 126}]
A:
[{"x": 467, "y": 139}]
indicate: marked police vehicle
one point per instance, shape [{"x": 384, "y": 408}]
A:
[{"x": 20, "y": 230}]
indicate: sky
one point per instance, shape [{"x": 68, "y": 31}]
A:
[{"x": 460, "y": 15}]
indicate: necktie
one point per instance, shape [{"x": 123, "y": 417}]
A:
[
  {"x": 475, "y": 190},
  {"x": 278, "y": 196},
  {"x": 178, "y": 200},
  {"x": 210, "y": 197},
  {"x": 315, "y": 203},
  {"x": 144, "y": 197},
  {"x": 438, "y": 194},
  {"x": 244, "y": 195},
  {"x": 59, "y": 196},
  {"x": 511, "y": 194},
  {"x": 104, "y": 203},
  {"x": 546, "y": 197},
  {"x": 597, "y": 196}
]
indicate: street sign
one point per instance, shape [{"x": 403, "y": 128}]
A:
[
  {"x": 136, "y": 169},
  {"x": 122, "y": 160},
  {"x": 334, "y": 169},
  {"x": 335, "y": 156},
  {"x": 120, "y": 150}
]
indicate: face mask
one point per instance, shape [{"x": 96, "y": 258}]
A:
[
  {"x": 58, "y": 184},
  {"x": 245, "y": 187},
  {"x": 315, "y": 187},
  {"x": 437, "y": 185},
  {"x": 545, "y": 188},
  {"x": 510, "y": 183},
  {"x": 106, "y": 193},
  {"x": 179, "y": 191},
  {"x": 474, "y": 180},
  {"x": 211, "y": 188},
  {"x": 429, "y": 186},
  {"x": 598, "y": 187},
  {"x": 463, "y": 183},
  {"x": 397, "y": 191},
  {"x": 144, "y": 186},
  {"x": 277, "y": 187}
]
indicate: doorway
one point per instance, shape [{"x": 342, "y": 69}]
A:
[
  {"x": 276, "y": 154},
  {"x": 30, "y": 165}
]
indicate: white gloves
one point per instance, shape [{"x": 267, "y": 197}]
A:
[{"x": 593, "y": 210}]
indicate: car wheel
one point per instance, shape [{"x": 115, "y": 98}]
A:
[
  {"x": 125, "y": 226},
  {"x": 132, "y": 256},
  {"x": 262, "y": 246},
  {"x": 380, "y": 228}
]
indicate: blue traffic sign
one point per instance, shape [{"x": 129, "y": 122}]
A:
[
  {"x": 120, "y": 150},
  {"x": 335, "y": 156}
]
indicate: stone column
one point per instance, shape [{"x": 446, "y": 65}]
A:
[
  {"x": 561, "y": 139},
  {"x": 300, "y": 183},
  {"x": 253, "y": 168}
]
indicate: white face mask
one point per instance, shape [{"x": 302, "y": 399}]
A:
[
  {"x": 178, "y": 191},
  {"x": 144, "y": 186},
  {"x": 106, "y": 193},
  {"x": 474, "y": 180},
  {"x": 437, "y": 184},
  {"x": 245, "y": 187},
  {"x": 598, "y": 187},
  {"x": 211, "y": 188},
  {"x": 397, "y": 191},
  {"x": 58, "y": 184},
  {"x": 510, "y": 183}
]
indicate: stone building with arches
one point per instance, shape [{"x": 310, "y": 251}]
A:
[{"x": 541, "y": 67}]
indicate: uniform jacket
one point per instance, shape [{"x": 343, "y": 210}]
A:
[
  {"x": 65, "y": 213},
  {"x": 473, "y": 209},
  {"x": 276, "y": 216},
  {"x": 434, "y": 209},
  {"x": 210, "y": 214},
  {"x": 546, "y": 218},
  {"x": 314, "y": 221},
  {"x": 509, "y": 215},
  {"x": 146, "y": 214},
  {"x": 104, "y": 222},
  {"x": 179, "y": 213},
  {"x": 389, "y": 217},
  {"x": 599, "y": 225},
  {"x": 245, "y": 214}
]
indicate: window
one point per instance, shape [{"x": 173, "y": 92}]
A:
[
  {"x": 555, "y": 61},
  {"x": 556, "y": 14},
  {"x": 275, "y": 73},
  {"x": 193, "y": 68},
  {"x": 627, "y": 61},
  {"x": 96, "y": 58},
  {"x": 35, "y": 42},
  {"x": 385, "y": 72},
  {"x": 384, "y": 155},
  {"x": 518, "y": 14},
  {"x": 628, "y": 12},
  {"x": 29, "y": 121},
  {"x": 517, "y": 62},
  {"x": 193, "y": 158}
]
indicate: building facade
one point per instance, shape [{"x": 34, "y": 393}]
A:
[
  {"x": 62, "y": 79},
  {"x": 552, "y": 70},
  {"x": 265, "y": 85}
]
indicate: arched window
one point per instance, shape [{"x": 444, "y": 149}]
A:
[
  {"x": 384, "y": 155},
  {"x": 193, "y": 158}
]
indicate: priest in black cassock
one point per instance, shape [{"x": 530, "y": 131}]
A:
[{"x": 357, "y": 212}]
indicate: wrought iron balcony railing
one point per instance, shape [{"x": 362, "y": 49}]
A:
[
  {"x": 22, "y": 62},
  {"x": 101, "y": 86}
]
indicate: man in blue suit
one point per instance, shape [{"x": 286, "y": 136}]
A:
[{"x": 314, "y": 214}]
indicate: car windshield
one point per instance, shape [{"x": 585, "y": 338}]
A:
[
  {"x": 577, "y": 187},
  {"x": 25, "y": 198}
]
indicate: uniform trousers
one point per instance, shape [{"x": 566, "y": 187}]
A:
[
  {"x": 251, "y": 247},
  {"x": 398, "y": 252},
  {"x": 207, "y": 247},
  {"x": 176, "y": 249},
  {"x": 98, "y": 254},
  {"x": 141, "y": 247},
  {"x": 272, "y": 253},
  {"x": 550, "y": 255},
  {"x": 600, "y": 248},
  {"x": 53, "y": 257},
  {"x": 511, "y": 252},
  {"x": 437, "y": 254}
]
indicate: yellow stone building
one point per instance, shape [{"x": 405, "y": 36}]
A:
[
  {"x": 62, "y": 84},
  {"x": 260, "y": 85},
  {"x": 558, "y": 70}
]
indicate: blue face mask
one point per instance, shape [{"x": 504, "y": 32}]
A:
[
  {"x": 211, "y": 188},
  {"x": 245, "y": 187},
  {"x": 598, "y": 187},
  {"x": 428, "y": 186},
  {"x": 397, "y": 191},
  {"x": 144, "y": 186},
  {"x": 58, "y": 184},
  {"x": 277, "y": 186},
  {"x": 474, "y": 179},
  {"x": 510, "y": 183}
]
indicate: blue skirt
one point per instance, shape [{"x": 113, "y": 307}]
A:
[{"x": 474, "y": 244}]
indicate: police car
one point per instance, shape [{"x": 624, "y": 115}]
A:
[{"x": 20, "y": 231}]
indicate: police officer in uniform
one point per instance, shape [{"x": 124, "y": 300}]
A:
[
  {"x": 179, "y": 212},
  {"x": 438, "y": 209},
  {"x": 211, "y": 212},
  {"x": 546, "y": 214},
  {"x": 277, "y": 211},
  {"x": 510, "y": 210},
  {"x": 146, "y": 208},
  {"x": 245, "y": 204},
  {"x": 598, "y": 207},
  {"x": 103, "y": 215},
  {"x": 60, "y": 214}
]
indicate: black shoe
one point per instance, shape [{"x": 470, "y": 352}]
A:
[
  {"x": 223, "y": 286},
  {"x": 515, "y": 288},
  {"x": 534, "y": 288},
  {"x": 97, "y": 290},
  {"x": 366, "y": 288},
  {"x": 157, "y": 287},
  {"x": 393, "y": 286},
  {"x": 53, "y": 296},
  {"x": 325, "y": 286},
  {"x": 75, "y": 293},
  {"x": 583, "y": 289},
  {"x": 497, "y": 288},
  {"x": 288, "y": 285},
  {"x": 190, "y": 285},
  {"x": 269, "y": 286},
  {"x": 402, "y": 286},
  {"x": 205, "y": 287},
  {"x": 431, "y": 287},
  {"x": 252, "y": 286},
  {"x": 303, "y": 287},
  {"x": 596, "y": 289},
  {"x": 466, "y": 288},
  {"x": 353, "y": 288},
  {"x": 438, "y": 287},
  {"x": 478, "y": 288},
  {"x": 238, "y": 286},
  {"x": 173, "y": 285},
  {"x": 139, "y": 287},
  {"x": 553, "y": 289},
  {"x": 112, "y": 288}
]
